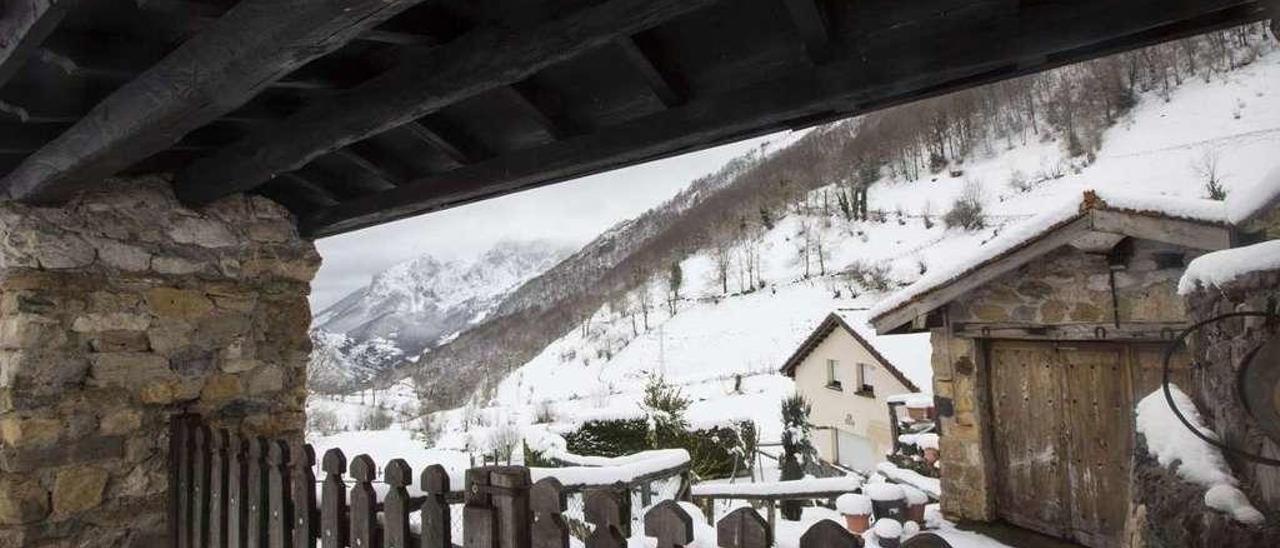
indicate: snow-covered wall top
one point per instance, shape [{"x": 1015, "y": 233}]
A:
[
  {"x": 1222, "y": 267},
  {"x": 1247, "y": 203},
  {"x": 1055, "y": 217}
]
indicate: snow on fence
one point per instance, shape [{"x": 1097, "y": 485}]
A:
[{"x": 230, "y": 490}]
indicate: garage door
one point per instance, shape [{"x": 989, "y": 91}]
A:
[
  {"x": 1062, "y": 435},
  {"x": 855, "y": 452}
]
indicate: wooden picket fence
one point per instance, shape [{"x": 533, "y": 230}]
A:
[{"x": 229, "y": 491}]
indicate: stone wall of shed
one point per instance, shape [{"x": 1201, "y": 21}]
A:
[
  {"x": 1168, "y": 511},
  {"x": 118, "y": 311}
]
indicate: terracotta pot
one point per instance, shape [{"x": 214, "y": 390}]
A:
[
  {"x": 915, "y": 512},
  {"x": 919, "y": 414},
  {"x": 857, "y": 523},
  {"x": 930, "y": 456}
]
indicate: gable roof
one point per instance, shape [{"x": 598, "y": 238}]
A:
[
  {"x": 1251, "y": 202},
  {"x": 1194, "y": 223},
  {"x": 906, "y": 357}
]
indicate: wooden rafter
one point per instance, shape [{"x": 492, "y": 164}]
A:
[
  {"x": 23, "y": 27},
  {"x": 813, "y": 28},
  {"x": 476, "y": 62},
  {"x": 667, "y": 86},
  {"x": 257, "y": 42},
  {"x": 796, "y": 99},
  {"x": 457, "y": 152}
]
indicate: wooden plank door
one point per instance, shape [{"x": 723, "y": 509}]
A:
[
  {"x": 1026, "y": 387},
  {"x": 1099, "y": 418}
]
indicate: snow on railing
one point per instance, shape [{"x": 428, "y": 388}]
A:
[{"x": 780, "y": 490}]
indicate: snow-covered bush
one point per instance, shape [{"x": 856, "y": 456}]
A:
[
  {"x": 544, "y": 413},
  {"x": 609, "y": 438},
  {"x": 665, "y": 406},
  {"x": 797, "y": 448},
  {"x": 503, "y": 440},
  {"x": 967, "y": 211},
  {"x": 323, "y": 421},
  {"x": 376, "y": 419}
]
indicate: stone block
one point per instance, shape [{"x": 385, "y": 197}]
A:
[
  {"x": 110, "y": 321},
  {"x": 177, "y": 266},
  {"x": 31, "y": 331},
  {"x": 119, "y": 341},
  {"x": 267, "y": 379},
  {"x": 202, "y": 232},
  {"x": 120, "y": 421},
  {"x": 29, "y": 431},
  {"x": 78, "y": 489},
  {"x": 129, "y": 258},
  {"x": 221, "y": 387},
  {"x": 22, "y": 501},
  {"x": 128, "y": 369},
  {"x": 173, "y": 303}
]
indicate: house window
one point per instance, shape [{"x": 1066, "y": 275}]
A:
[
  {"x": 864, "y": 380},
  {"x": 832, "y": 382}
]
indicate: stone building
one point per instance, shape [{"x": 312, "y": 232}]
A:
[
  {"x": 848, "y": 374},
  {"x": 1041, "y": 345},
  {"x": 118, "y": 311}
]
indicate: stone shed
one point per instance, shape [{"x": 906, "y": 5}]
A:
[{"x": 1042, "y": 341}]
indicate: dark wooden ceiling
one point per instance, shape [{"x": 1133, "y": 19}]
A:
[{"x": 358, "y": 112}]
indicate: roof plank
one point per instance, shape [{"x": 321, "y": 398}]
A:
[
  {"x": 23, "y": 27},
  {"x": 424, "y": 82},
  {"x": 253, "y": 45}
]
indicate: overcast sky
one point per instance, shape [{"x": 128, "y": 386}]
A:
[{"x": 572, "y": 212}]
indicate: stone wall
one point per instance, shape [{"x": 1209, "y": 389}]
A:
[
  {"x": 118, "y": 311},
  {"x": 1176, "y": 514},
  {"x": 968, "y": 483}
]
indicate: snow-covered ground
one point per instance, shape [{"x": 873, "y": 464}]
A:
[{"x": 724, "y": 351}]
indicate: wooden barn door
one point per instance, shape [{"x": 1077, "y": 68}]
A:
[{"x": 1062, "y": 437}]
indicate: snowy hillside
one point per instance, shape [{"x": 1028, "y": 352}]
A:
[
  {"x": 1159, "y": 148},
  {"x": 419, "y": 304}
]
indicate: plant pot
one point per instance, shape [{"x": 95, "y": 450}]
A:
[
  {"x": 915, "y": 512},
  {"x": 857, "y": 523},
  {"x": 930, "y": 456},
  {"x": 919, "y": 414}
]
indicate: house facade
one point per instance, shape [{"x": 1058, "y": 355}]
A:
[
  {"x": 1042, "y": 343},
  {"x": 847, "y": 374}
]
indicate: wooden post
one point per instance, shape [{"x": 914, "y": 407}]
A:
[
  {"x": 604, "y": 510},
  {"x": 829, "y": 534},
  {"x": 510, "y": 486},
  {"x": 743, "y": 528},
  {"x": 436, "y": 519},
  {"x": 772, "y": 507},
  {"x": 279, "y": 518},
  {"x": 646, "y": 494},
  {"x": 217, "y": 489},
  {"x": 395, "y": 506},
  {"x": 479, "y": 525},
  {"x": 305, "y": 519},
  {"x": 182, "y": 489},
  {"x": 708, "y": 506},
  {"x": 333, "y": 501},
  {"x": 256, "y": 500},
  {"x": 670, "y": 524},
  {"x": 550, "y": 530},
  {"x": 364, "y": 515},
  {"x": 237, "y": 491},
  {"x": 200, "y": 488}
]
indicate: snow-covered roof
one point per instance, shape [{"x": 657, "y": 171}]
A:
[
  {"x": 1222, "y": 267},
  {"x": 1245, "y": 204},
  {"x": 1056, "y": 217},
  {"x": 905, "y": 356}
]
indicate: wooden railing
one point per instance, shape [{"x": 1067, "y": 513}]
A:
[{"x": 228, "y": 491}]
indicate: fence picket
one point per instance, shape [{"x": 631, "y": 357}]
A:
[
  {"x": 670, "y": 524},
  {"x": 305, "y": 517},
  {"x": 333, "y": 501},
  {"x": 436, "y": 517},
  {"x": 548, "y": 501},
  {"x": 237, "y": 489},
  {"x": 511, "y": 505},
  {"x": 279, "y": 518},
  {"x": 829, "y": 534},
  {"x": 217, "y": 489},
  {"x": 182, "y": 494},
  {"x": 395, "y": 506},
  {"x": 200, "y": 488},
  {"x": 364, "y": 518},
  {"x": 604, "y": 510},
  {"x": 479, "y": 524},
  {"x": 256, "y": 495},
  {"x": 743, "y": 528}
]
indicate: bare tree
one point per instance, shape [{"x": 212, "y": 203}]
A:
[{"x": 1206, "y": 167}]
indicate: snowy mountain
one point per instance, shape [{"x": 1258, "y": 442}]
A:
[{"x": 422, "y": 303}]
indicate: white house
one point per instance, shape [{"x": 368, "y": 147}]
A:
[{"x": 848, "y": 373}]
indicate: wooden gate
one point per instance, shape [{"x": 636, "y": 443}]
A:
[{"x": 1063, "y": 432}]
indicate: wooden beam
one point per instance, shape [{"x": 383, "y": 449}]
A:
[
  {"x": 451, "y": 146},
  {"x": 812, "y": 26},
  {"x": 356, "y": 159},
  {"x": 1192, "y": 234},
  {"x": 803, "y": 97},
  {"x": 424, "y": 82},
  {"x": 664, "y": 84},
  {"x": 201, "y": 14},
  {"x": 23, "y": 27},
  {"x": 552, "y": 121},
  {"x": 256, "y": 43}
]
